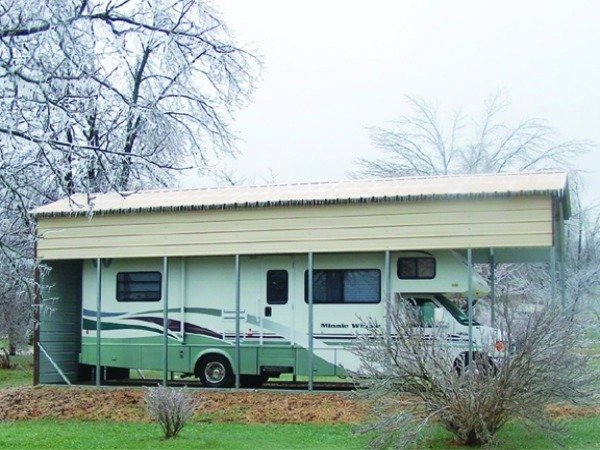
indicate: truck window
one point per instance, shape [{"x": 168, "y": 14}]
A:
[
  {"x": 277, "y": 287},
  {"x": 138, "y": 286},
  {"x": 421, "y": 268},
  {"x": 460, "y": 316},
  {"x": 345, "y": 286}
]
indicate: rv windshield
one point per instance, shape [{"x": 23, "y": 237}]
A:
[{"x": 460, "y": 316}]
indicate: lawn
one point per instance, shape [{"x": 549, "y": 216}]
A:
[
  {"x": 21, "y": 375},
  {"x": 77, "y": 434},
  {"x": 74, "y": 434},
  {"x": 582, "y": 434}
]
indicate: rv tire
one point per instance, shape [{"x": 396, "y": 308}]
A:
[
  {"x": 481, "y": 363},
  {"x": 215, "y": 371}
]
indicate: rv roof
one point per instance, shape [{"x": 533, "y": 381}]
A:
[{"x": 354, "y": 191}]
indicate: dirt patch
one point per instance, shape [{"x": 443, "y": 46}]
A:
[
  {"x": 128, "y": 405},
  {"x": 563, "y": 411}
]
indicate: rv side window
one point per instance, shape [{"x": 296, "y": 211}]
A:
[
  {"x": 277, "y": 287},
  {"x": 416, "y": 268},
  {"x": 138, "y": 286},
  {"x": 345, "y": 286}
]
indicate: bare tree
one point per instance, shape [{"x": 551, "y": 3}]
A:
[
  {"x": 17, "y": 261},
  {"x": 226, "y": 176},
  {"x": 415, "y": 376},
  {"x": 583, "y": 260},
  {"x": 114, "y": 95},
  {"x": 422, "y": 143},
  {"x": 97, "y": 95}
]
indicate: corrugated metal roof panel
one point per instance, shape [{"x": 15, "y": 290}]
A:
[{"x": 354, "y": 191}]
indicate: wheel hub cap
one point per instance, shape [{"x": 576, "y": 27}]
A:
[{"x": 214, "y": 372}]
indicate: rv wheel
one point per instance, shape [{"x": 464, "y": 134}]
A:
[
  {"x": 215, "y": 371},
  {"x": 482, "y": 364}
]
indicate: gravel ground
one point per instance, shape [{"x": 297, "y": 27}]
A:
[{"x": 127, "y": 405}]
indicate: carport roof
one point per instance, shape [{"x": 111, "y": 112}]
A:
[{"x": 340, "y": 192}]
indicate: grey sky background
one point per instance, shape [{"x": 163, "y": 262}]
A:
[{"x": 334, "y": 67}]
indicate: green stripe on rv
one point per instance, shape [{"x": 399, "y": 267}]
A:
[
  {"x": 207, "y": 311},
  {"x": 91, "y": 326}
]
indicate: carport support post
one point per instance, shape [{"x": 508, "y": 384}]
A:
[
  {"x": 238, "y": 365},
  {"x": 493, "y": 287},
  {"x": 553, "y": 273},
  {"x": 470, "y": 299},
  {"x": 165, "y": 296},
  {"x": 310, "y": 321},
  {"x": 183, "y": 295},
  {"x": 563, "y": 255},
  {"x": 98, "y": 317},
  {"x": 387, "y": 295}
]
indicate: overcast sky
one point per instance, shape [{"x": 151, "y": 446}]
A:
[{"x": 334, "y": 67}]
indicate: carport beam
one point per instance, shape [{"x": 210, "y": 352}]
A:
[
  {"x": 98, "y": 318},
  {"x": 56, "y": 367}
]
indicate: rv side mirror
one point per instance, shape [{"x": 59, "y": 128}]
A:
[{"x": 438, "y": 316}]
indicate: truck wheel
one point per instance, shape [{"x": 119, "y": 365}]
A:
[{"x": 215, "y": 371}]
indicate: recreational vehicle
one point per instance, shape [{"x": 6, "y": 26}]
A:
[{"x": 347, "y": 288}]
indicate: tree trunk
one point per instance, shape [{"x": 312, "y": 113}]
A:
[
  {"x": 473, "y": 440},
  {"x": 4, "y": 359}
]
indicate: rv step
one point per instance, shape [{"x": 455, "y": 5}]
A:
[{"x": 276, "y": 369}]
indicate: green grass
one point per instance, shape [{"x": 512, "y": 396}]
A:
[
  {"x": 72, "y": 434},
  {"x": 21, "y": 374},
  {"x": 583, "y": 434}
]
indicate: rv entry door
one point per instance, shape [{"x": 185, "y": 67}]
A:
[{"x": 277, "y": 305}]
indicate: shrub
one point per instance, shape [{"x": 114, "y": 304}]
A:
[
  {"x": 171, "y": 407},
  {"x": 414, "y": 375}
]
